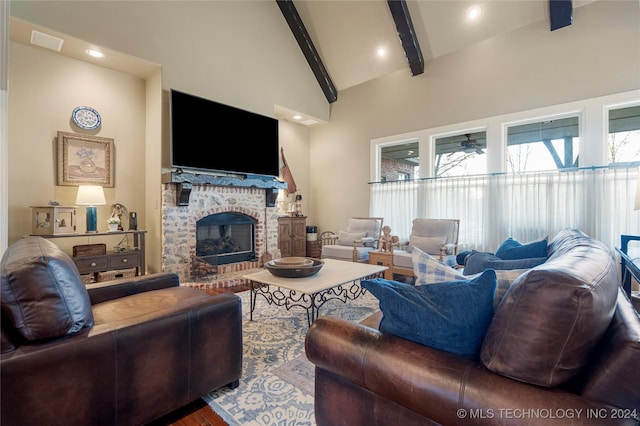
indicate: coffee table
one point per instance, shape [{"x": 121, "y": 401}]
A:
[{"x": 337, "y": 280}]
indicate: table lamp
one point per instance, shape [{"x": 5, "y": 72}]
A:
[{"x": 91, "y": 196}]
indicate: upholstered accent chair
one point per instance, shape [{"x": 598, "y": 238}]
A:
[
  {"x": 437, "y": 237},
  {"x": 355, "y": 243}
]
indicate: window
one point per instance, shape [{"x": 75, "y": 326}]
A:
[
  {"x": 624, "y": 135},
  {"x": 544, "y": 145},
  {"x": 400, "y": 162},
  {"x": 462, "y": 154}
]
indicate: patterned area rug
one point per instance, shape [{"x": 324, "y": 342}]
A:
[{"x": 277, "y": 383}]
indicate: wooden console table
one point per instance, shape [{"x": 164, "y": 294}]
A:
[{"x": 111, "y": 260}]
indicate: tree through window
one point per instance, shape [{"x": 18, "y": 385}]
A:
[
  {"x": 462, "y": 154},
  {"x": 624, "y": 135},
  {"x": 544, "y": 145}
]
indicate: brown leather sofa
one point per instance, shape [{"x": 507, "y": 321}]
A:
[
  {"x": 550, "y": 316},
  {"x": 123, "y": 352}
]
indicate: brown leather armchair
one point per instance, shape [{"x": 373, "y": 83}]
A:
[
  {"x": 366, "y": 377},
  {"x": 120, "y": 352}
]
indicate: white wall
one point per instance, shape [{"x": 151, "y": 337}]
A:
[
  {"x": 240, "y": 53},
  {"x": 4, "y": 113},
  {"x": 529, "y": 68},
  {"x": 44, "y": 90}
]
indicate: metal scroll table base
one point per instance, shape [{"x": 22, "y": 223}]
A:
[
  {"x": 311, "y": 302},
  {"x": 337, "y": 280}
]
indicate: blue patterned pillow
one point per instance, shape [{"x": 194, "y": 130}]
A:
[
  {"x": 511, "y": 249},
  {"x": 449, "y": 316},
  {"x": 478, "y": 262}
]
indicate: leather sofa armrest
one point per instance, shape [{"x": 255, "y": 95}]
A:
[
  {"x": 409, "y": 374},
  {"x": 109, "y": 290}
]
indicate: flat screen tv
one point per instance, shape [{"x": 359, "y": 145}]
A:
[{"x": 212, "y": 137}]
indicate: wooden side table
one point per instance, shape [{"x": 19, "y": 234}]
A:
[
  {"x": 314, "y": 249},
  {"x": 382, "y": 258}
]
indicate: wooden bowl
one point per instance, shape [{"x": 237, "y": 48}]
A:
[{"x": 299, "y": 271}]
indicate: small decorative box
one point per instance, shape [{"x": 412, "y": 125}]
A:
[{"x": 53, "y": 220}]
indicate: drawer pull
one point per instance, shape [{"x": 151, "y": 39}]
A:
[
  {"x": 93, "y": 264},
  {"x": 125, "y": 260}
]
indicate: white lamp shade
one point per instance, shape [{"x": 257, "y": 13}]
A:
[{"x": 90, "y": 195}]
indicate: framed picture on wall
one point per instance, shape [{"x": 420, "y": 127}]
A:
[{"x": 85, "y": 160}]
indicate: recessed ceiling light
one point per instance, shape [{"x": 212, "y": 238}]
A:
[
  {"x": 297, "y": 117},
  {"x": 381, "y": 52},
  {"x": 474, "y": 12},
  {"x": 95, "y": 53}
]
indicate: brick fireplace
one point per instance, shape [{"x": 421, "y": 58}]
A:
[{"x": 191, "y": 199}]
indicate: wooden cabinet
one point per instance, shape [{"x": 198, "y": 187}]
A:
[{"x": 292, "y": 236}]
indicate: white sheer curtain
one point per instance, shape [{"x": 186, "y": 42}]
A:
[{"x": 491, "y": 208}]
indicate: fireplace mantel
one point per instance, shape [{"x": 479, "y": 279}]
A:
[
  {"x": 204, "y": 179},
  {"x": 185, "y": 180}
]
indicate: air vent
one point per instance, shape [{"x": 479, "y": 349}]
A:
[
  {"x": 46, "y": 41},
  {"x": 309, "y": 122}
]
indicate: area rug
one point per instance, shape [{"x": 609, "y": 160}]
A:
[{"x": 276, "y": 387}]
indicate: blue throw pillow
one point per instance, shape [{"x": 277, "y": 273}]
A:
[
  {"x": 511, "y": 249},
  {"x": 479, "y": 261},
  {"x": 450, "y": 316}
]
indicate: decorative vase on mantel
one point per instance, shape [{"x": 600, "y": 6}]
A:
[{"x": 113, "y": 227}]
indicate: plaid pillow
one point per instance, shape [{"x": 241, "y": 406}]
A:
[{"x": 429, "y": 270}]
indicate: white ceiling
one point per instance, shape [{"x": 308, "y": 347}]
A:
[{"x": 347, "y": 33}]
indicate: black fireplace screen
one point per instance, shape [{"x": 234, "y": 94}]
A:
[{"x": 224, "y": 238}]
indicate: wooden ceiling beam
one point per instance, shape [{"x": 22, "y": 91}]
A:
[
  {"x": 301, "y": 35},
  {"x": 407, "y": 34},
  {"x": 560, "y": 13}
]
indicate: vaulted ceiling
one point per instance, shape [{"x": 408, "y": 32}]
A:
[{"x": 346, "y": 35}]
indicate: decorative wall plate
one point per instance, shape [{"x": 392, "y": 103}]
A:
[{"x": 86, "y": 118}]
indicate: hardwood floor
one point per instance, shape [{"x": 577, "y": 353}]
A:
[{"x": 198, "y": 413}]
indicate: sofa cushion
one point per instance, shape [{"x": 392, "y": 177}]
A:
[
  {"x": 565, "y": 240},
  {"x": 431, "y": 245},
  {"x": 336, "y": 251},
  {"x": 369, "y": 226},
  {"x": 348, "y": 238},
  {"x": 426, "y": 315},
  {"x": 42, "y": 293},
  {"x": 511, "y": 249},
  {"x": 479, "y": 261},
  {"x": 552, "y": 317},
  {"x": 429, "y": 270},
  {"x": 610, "y": 380}
]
